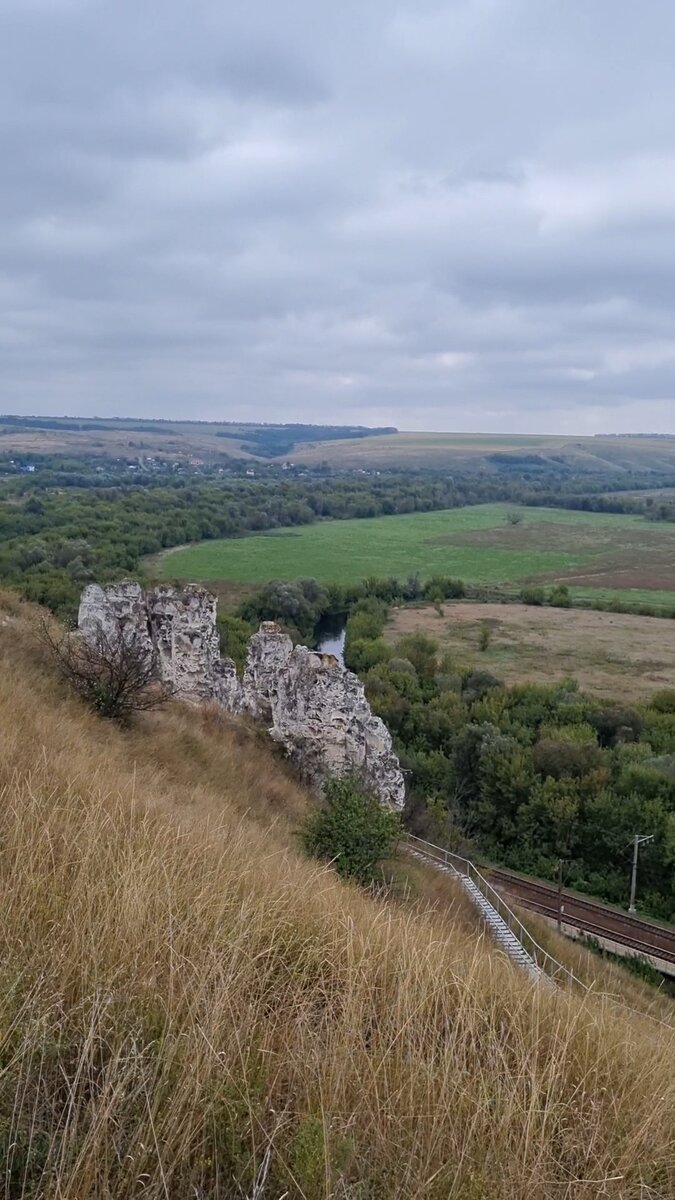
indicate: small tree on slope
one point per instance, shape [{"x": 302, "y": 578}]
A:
[
  {"x": 352, "y": 830},
  {"x": 111, "y": 670}
]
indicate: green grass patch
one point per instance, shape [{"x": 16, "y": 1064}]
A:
[
  {"x": 422, "y": 543},
  {"x": 657, "y": 598}
]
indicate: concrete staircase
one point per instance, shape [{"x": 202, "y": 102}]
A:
[{"x": 505, "y": 938}]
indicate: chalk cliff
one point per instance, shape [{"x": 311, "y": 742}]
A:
[{"x": 311, "y": 705}]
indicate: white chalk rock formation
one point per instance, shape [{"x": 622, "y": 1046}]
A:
[
  {"x": 117, "y": 610},
  {"x": 177, "y": 628},
  {"x": 320, "y": 715},
  {"x": 185, "y": 639},
  {"x": 312, "y": 706},
  {"x": 268, "y": 653},
  {"x": 228, "y": 690}
]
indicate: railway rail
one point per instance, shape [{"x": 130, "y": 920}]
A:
[{"x": 644, "y": 937}]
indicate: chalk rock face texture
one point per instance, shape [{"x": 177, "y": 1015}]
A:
[
  {"x": 321, "y": 716},
  {"x": 178, "y": 629},
  {"x": 117, "y": 609},
  {"x": 319, "y": 713},
  {"x": 228, "y": 690},
  {"x": 185, "y": 639},
  {"x": 269, "y": 652},
  {"x": 313, "y": 707}
]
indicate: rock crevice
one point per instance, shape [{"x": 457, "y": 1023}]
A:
[{"x": 313, "y": 707}]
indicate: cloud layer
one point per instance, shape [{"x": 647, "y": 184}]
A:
[{"x": 455, "y": 215}]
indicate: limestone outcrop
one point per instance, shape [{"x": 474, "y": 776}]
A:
[
  {"x": 312, "y": 706},
  {"x": 185, "y": 639},
  {"x": 319, "y": 713},
  {"x": 119, "y": 610},
  {"x": 176, "y": 627}
]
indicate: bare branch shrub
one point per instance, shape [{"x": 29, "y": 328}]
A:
[{"x": 109, "y": 668}]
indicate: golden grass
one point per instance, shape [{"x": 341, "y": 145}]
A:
[
  {"x": 601, "y": 974},
  {"x": 187, "y": 1005},
  {"x": 609, "y": 654}
]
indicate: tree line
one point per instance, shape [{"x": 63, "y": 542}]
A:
[
  {"x": 56, "y": 540},
  {"x": 75, "y": 520}
]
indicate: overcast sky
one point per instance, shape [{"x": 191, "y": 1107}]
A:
[{"x": 454, "y": 216}]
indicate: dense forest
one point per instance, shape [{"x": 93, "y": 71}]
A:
[
  {"x": 54, "y": 540},
  {"x": 654, "y": 508},
  {"x": 270, "y": 441},
  {"x": 526, "y": 775}
]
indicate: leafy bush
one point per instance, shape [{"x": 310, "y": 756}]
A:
[
  {"x": 566, "y": 759},
  {"x": 477, "y": 684},
  {"x": 581, "y": 733},
  {"x": 445, "y": 587},
  {"x": 664, "y": 763},
  {"x": 402, "y": 664},
  {"x": 352, "y": 830},
  {"x": 484, "y": 636},
  {"x": 367, "y": 619},
  {"x": 659, "y": 731},
  {"x": 421, "y": 651},
  {"x": 532, "y": 595},
  {"x": 614, "y": 725},
  {"x": 560, "y": 597},
  {"x": 363, "y": 653}
]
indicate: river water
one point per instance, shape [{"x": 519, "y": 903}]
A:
[{"x": 330, "y": 637}]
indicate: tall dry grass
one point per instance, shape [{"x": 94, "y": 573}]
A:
[
  {"x": 614, "y": 981},
  {"x": 190, "y": 1009}
]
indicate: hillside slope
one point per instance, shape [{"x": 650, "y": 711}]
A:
[
  {"x": 187, "y": 1005},
  {"x": 471, "y": 452}
]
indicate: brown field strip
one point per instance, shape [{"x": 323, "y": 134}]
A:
[{"x": 609, "y": 654}]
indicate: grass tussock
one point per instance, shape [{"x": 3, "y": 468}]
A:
[{"x": 187, "y": 1006}]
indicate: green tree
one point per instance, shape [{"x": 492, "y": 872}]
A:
[
  {"x": 352, "y": 830},
  {"x": 421, "y": 651},
  {"x": 566, "y": 759},
  {"x": 505, "y": 778},
  {"x": 548, "y": 821},
  {"x": 234, "y": 634},
  {"x": 560, "y": 597},
  {"x": 364, "y": 653}
]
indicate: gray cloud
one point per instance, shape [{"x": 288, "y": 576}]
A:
[{"x": 454, "y": 215}]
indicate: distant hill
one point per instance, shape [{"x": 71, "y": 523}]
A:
[
  {"x": 342, "y": 447},
  {"x": 496, "y": 452},
  {"x": 167, "y": 439}
]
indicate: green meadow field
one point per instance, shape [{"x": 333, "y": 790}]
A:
[{"x": 594, "y": 553}]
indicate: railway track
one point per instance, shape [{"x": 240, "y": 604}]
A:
[{"x": 595, "y": 919}]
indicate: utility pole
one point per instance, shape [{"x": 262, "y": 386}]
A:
[
  {"x": 637, "y": 842},
  {"x": 560, "y": 899}
]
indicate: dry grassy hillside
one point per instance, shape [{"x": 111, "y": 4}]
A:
[
  {"x": 188, "y": 1007},
  {"x": 471, "y": 451}
]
